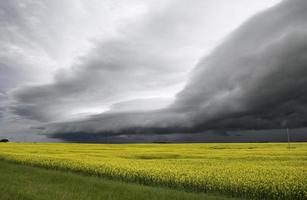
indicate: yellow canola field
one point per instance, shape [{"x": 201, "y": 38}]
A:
[{"x": 254, "y": 170}]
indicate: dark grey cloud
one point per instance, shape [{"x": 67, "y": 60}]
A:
[
  {"x": 256, "y": 79},
  {"x": 127, "y": 69},
  {"x": 114, "y": 71},
  {"x": 143, "y": 60},
  {"x": 271, "y": 135}
]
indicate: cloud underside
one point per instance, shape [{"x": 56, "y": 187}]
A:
[{"x": 255, "y": 79}]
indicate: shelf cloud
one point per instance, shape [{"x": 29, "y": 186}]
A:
[
  {"x": 155, "y": 68},
  {"x": 256, "y": 79}
]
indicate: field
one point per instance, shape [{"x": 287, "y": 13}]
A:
[
  {"x": 21, "y": 182},
  {"x": 254, "y": 171}
]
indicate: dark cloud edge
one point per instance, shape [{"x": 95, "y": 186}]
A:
[{"x": 237, "y": 121}]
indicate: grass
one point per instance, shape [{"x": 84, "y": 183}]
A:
[
  {"x": 19, "y": 182},
  {"x": 255, "y": 171}
]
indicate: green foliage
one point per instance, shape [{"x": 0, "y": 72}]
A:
[
  {"x": 20, "y": 182},
  {"x": 256, "y": 171}
]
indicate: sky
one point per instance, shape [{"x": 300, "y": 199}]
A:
[{"x": 78, "y": 69}]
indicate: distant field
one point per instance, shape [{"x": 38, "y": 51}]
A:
[{"x": 256, "y": 171}]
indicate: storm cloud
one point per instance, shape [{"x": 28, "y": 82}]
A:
[
  {"x": 166, "y": 68},
  {"x": 255, "y": 79}
]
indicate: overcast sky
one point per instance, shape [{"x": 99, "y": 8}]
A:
[{"x": 97, "y": 67}]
